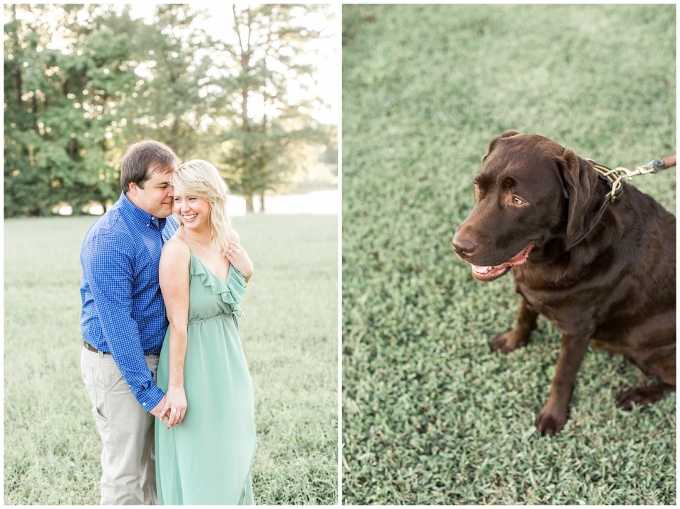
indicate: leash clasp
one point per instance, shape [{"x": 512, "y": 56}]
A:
[
  {"x": 651, "y": 167},
  {"x": 654, "y": 166}
]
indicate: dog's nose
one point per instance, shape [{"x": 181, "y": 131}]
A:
[{"x": 464, "y": 247}]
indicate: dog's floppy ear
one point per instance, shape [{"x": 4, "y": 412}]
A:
[
  {"x": 580, "y": 179},
  {"x": 492, "y": 143}
]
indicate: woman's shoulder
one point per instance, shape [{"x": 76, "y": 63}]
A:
[
  {"x": 233, "y": 236},
  {"x": 176, "y": 250}
]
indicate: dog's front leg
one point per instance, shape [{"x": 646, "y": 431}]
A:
[
  {"x": 519, "y": 335},
  {"x": 554, "y": 413}
]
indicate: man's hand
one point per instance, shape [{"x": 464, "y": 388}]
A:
[{"x": 156, "y": 411}]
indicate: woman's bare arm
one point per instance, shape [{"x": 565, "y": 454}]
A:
[
  {"x": 239, "y": 258},
  {"x": 174, "y": 282}
]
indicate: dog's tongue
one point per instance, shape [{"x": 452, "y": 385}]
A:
[{"x": 518, "y": 259}]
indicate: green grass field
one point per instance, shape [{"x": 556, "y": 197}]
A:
[
  {"x": 289, "y": 335},
  {"x": 430, "y": 414}
]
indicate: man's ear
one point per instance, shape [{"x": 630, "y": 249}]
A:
[
  {"x": 580, "y": 180},
  {"x": 492, "y": 143}
]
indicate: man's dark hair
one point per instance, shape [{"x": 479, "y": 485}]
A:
[{"x": 143, "y": 159}]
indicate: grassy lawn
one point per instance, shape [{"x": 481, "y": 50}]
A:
[
  {"x": 289, "y": 334},
  {"x": 430, "y": 414}
]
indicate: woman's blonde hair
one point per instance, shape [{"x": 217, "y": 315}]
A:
[{"x": 202, "y": 180}]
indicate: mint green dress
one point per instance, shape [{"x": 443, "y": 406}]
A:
[{"x": 207, "y": 458}]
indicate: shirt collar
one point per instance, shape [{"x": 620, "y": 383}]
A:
[{"x": 140, "y": 215}]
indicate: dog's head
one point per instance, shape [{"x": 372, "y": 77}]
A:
[{"x": 528, "y": 191}]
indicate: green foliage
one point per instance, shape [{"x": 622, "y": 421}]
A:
[
  {"x": 289, "y": 335},
  {"x": 84, "y": 82},
  {"x": 272, "y": 50},
  {"x": 179, "y": 92},
  {"x": 430, "y": 414},
  {"x": 57, "y": 111}
]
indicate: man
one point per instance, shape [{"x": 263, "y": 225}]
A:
[{"x": 123, "y": 321}]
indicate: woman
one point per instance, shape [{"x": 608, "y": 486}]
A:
[{"x": 205, "y": 451}]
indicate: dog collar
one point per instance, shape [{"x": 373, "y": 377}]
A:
[
  {"x": 613, "y": 193},
  {"x": 613, "y": 179}
]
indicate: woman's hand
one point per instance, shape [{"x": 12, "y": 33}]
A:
[
  {"x": 175, "y": 406},
  {"x": 238, "y": 257}
]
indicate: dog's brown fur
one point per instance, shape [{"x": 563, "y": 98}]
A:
[{"x": 615, "y": 287}]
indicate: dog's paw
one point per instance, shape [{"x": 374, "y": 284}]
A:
[
  {"x": 550, "y": 422},
  {"x": 643, "y": 396},
  {"x": 508, "y": 342}
]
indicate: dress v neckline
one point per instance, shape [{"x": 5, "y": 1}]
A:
[{"x": 211, "y": 272}]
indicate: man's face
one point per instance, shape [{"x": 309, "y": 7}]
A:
[{"x": 156, "y": 197}]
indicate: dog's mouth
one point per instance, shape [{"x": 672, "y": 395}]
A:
[{"x": 491, "y": 272}]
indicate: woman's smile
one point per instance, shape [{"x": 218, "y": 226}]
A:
[{"x": 192, "y": 211}]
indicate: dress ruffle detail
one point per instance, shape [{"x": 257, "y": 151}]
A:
[{"x": 232, "y": 293}]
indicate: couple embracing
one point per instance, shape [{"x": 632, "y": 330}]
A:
[{"x": 161, "y": 359}]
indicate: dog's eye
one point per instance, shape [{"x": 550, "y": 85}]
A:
[{"x": 517, "y": 201}]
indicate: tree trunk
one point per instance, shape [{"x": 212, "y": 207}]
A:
[
  {"x": 262, "y": 204},
  {"x": 249, "y": 204},
  {"x": 245, "y": 64},
  {"x": 17, "y": 76}
]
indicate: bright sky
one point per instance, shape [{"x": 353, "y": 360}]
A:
[{"x": 328, "y": 61}]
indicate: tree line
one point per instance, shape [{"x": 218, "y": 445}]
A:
[{"x": 84, "y": 82}]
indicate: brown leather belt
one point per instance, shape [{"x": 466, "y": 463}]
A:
[{"x": 92, "y": 349}]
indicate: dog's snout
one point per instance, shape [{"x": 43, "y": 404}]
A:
[{"x": 462, "y": 246}]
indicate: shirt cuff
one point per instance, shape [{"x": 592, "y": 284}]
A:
[{"x": 151, "y": 397}]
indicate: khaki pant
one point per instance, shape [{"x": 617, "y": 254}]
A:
[{"x": 126, "y": 430}]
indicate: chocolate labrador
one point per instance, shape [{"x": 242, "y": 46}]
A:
[{"x": 600, "y": 273}]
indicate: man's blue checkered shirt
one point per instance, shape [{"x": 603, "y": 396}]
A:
[{"x": 123, "y": 309}]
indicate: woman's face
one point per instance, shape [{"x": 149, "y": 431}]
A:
[{"x": 193, "y": 212}]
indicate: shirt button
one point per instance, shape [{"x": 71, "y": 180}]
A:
[{"x": 143, "y": 404}]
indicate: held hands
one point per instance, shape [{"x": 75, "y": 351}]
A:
[
  {"x": 238, "y": 257},
  {"x": 156, "y": 411},
  {"x": 175, "y": 406}
]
